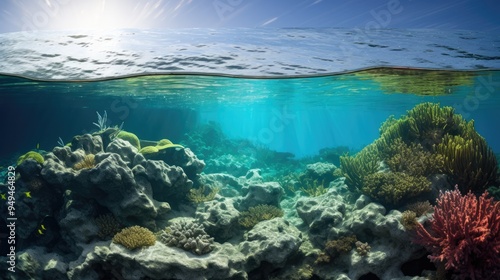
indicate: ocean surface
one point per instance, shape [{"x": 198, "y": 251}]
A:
[{"x": 292, "y": 90}]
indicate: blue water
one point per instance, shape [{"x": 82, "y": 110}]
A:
[{"x": 296, "y": 115}]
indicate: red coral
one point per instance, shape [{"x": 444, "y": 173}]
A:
[{"x": 464, "y": 235}]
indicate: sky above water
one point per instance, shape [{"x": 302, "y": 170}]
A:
[{"x": 34, "y": 15}]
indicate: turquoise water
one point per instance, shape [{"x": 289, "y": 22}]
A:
[{"x": 295, "y": 115}]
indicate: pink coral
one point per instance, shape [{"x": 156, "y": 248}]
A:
[{"x": 464, "y": 235}]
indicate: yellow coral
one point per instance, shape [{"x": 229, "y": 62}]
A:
[
  {"x": 32, "y": 155},
  {"x": 130, "y": 137},
  {"x": 135, "y": 237},
  {"x": 199, "y": 196},
  {"x": 88, "y": 162}
]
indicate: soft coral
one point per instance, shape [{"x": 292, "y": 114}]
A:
[{"x": 464, "y": 235}]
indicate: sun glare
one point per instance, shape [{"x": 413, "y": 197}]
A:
[{"x": 92, "y": 14}]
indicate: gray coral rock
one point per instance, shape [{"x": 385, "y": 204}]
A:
[
  {"x": 320, "y": 171},
  {"x": 272, "y": 241},
  {"x": 160, "y": 262},
  {"x": 187, "y": 235},
  {"x": 128, "y": 192},
  {"x": 219, "y": 218},
  {"x": 320, "y": 213},
  {"x": 269, "y": 193}
]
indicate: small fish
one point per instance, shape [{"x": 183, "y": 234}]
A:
[
  {"x": 28, "y": 194},
  {"x": 42, "y": 227},
  {"x": 40, "y": 232},
  {"x": 4, "y": 197},
  {"x": 38, "y": 146}
]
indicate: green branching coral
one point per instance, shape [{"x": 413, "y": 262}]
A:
[
  {"x": 470, "y": 162},
  {"x": 135, "y": 237},
  {"x": 356, "y": 168},
  {"x": 32, "y": 155},
  {"x": 393, "y": 188},
  {"x": 259, "y": 213}
]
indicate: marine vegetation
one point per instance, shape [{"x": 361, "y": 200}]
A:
[
  {"x": 88, "y": 162},
  {"x": 129, "y": 137},
  {"x": 464, "y": 234},
  {"x": 259, "y": 213},
  {"x": 108, "y": 225},
  {"x": 420, "y": 207},
  {"x": 135, "y": 237},
  {"x": 313, "y": 188},
  {"x": 394, "y": 188},
  {"x": 428, "y": 140},
  {"x": 362, "y": 248},
  {"x": 202, "y": 194},
  {"x": 188, "y": 236},
  {"x": 409, "y": 220},
  {"x": 32, "y": 155},
  {"x": 470, "y": 162},
  {"x": 334, "y": 248}
]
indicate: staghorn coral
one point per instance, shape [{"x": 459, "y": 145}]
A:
[
  {"x": 188, "y": 236},
  {"x": 470, "y": 162},
  {"x": 198, "y": 195},
  {"x": 394, "y": 188},
  {"x": 135, "y": 237},
  {"x": 259, "y": 213},
  {"x": 88, "y": 162},
  {"x": 108, "y": 225},
  {"x": 464, "y": 234},
  {"x": 312, "y": 187},
  {"x": 409, "y": 220}
]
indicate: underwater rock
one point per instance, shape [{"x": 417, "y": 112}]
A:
[
  {"x": 159, "y": 262},
  {"x": 322, "y": 172},
  {"x": 271, "y": 242},
  {"x": 269, "y": 193},
  {"x": 230, "y": 186},
  {"x": 126, "y": 151},
  {"x": 111, "y": 182},
  {"x": 320, "y": 213},
  {"x": 36, "y": 263},
  {"x": 253, "y": 176},
  {"x": 89, "y": 143},
  {"x": 231, "y": 164},
  {"x": 182, "y": 157},
  {"x": 219, "y": 218},
  {"x": 75, "y": 226}
]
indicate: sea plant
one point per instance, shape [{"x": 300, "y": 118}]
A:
[
  {"x": 259, "y": 213},
  {"x": 135, "y": 237},
  {"x": 356, "y": 168},
  {"x": 108, "y": 225},
  {"x": 394, "y": 188},
  {"x": 87, "y": 162},
  {"x": 202, "y": 194},
  {"x": 470, "y": 162},
  {"x": 31, "y": 155}
]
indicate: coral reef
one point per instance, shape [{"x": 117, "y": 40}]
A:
[
  {"x": 188, "y": 236},
  {"x": 88, "y": 162},
  {"x": 135, "y": 237},
  {"x": 259, "y": 213},
  {"x": 464, "y": 234},
  {"x": 130, "y": 137},
  {"x": 203, "y": 194},
  {"x": 420, "y": 207},
  {"x": 108, "y": 225},
  {"x": 31, "y": 155},
  {"x": 409, "y": 220}
]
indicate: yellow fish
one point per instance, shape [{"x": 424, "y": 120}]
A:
[
  {"x": 3, "y": 196},
  {"x": 38, "y": 146},
  {"x": 40, "y": 232},
  {"x": 42, "y": 227},
  {"x": 28, "y": 194}
]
